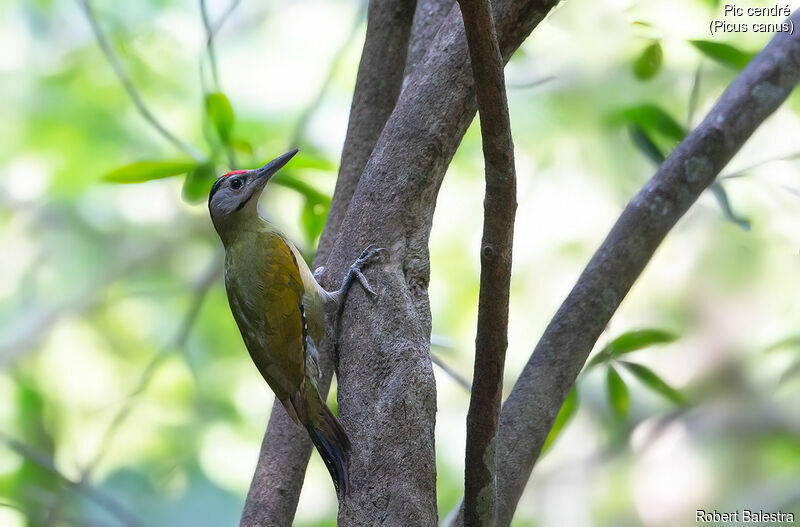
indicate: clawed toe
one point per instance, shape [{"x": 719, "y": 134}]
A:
[
  {"x": 365, "y": 283},
  {"x": 368, "y": 254},
  {"x": 355, "y": 274}
]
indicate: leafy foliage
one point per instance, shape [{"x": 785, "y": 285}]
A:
[
  {"x": 631, "y": 341},
  {"x": 722, "y": 53},
  {"x": 639, "y": 339},
  {"x": 649, "y": 61},
  {"x": 142, "y": 171},
  {"x": 654, "y": 382},
  {"x": 652, "y": 119},
  {"x": 618, "y": 396},
  {"x": 220, "y": 113},
  {"x": 565, "y": 414},
  {"x": 198, "y": 183},
  {"x": 100, "y": 277},
  {"x": 648, "y": 121}
]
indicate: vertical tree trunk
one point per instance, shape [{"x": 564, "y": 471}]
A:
[{"x": 392, "y": 206}]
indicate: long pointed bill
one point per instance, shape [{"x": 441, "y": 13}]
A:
[{"x": 266, "y": 172}]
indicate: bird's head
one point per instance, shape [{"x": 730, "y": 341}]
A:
[{"x": 234, "y": 196}]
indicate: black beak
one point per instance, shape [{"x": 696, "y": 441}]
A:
[{"x": 266, "y": 172}]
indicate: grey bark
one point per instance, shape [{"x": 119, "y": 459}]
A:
[
  {"x": 393, "y": 207},
  {"x": 533, "y": 404},
  {"x": 499, "y": 209},
  {"x": 378, "y": 84},
  {"x": 428, "y": 19},
  {"x": 284, "y": 453},
  {"x": 386, "y": 387}
]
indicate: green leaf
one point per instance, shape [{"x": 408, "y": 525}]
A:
[
  {"x": 198, "y": 183},
  {"x": 618, "y": 397},
  {"x": 652, "y": 118},
  {"x": 142, "y": 171},
  {"x": 649, "y": 61},
  {"x": 638, "y": 339},
  {"x": 599, "y": 358},
  {"x": 724, "y": 203},
  {"x": 220, "y": 113},
  {"x": 285, "y": 179},
  {"x": 306, "y": 159},
  {"x": 724, "y": 54},
  {"x": 313, "y": 217},
  {"x": 243, "y": 147},
  {"x": 566, "y": 412},
  {"x": 646, "y": 145},
  {"x": 788, "y": 342},
  {"x": 654, "y": 382}
]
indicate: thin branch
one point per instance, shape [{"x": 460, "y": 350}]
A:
[
  {"x": 533, "y": 83},
  {"x": 40, "y": 516},
  {"x": 438, "y": 341},
  {"x": 461, "y": 381},
  {"x": 101, "y": 498},
  {"x": 212, "y": 60},
  {"x": 14, "y": 345},
  {"x": 530, "y": 410},
  {"x": 200, "y": 291},
  {"x": 694, "y": 94},
  {"x": 224, "y": 17},
  {"x": 499, "y": 209},
  {"x": 743, "y": 172},
  {"x": 130, "y": 87},
  {"x": 181, "y": 337},
  {"x": 392, "y": 206},
  {"x": 212, "y": 57}
]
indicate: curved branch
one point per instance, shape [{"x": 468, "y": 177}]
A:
[
  {"x": 378, "y": 84},
  {"x": 283, "y": 457},
  {"x": 529, "y": 411},
  {"x": 120, "y": 511},
  {"x": 428, "y": 19},
  {"x": 386, "y": 389},
  {"x": 499, "y": 208},
  {"x": 130, "y": 87},
  {"x": 393, "y": 206}
]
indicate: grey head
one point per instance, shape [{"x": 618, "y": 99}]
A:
[{"x": 234, "y": 196}]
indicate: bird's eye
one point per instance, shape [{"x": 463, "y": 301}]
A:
[{"x": 236, "y": 183}]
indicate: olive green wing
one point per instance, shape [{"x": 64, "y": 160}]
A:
[{"x": 284, "y": 319}]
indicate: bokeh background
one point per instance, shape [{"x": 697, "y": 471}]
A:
[{"x": 126, "y": 394}]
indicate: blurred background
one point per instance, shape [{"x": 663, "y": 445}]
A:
[{"x": 127, "y": 396}]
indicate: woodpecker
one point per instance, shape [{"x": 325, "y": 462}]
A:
[{"x": 280, "y": 307}]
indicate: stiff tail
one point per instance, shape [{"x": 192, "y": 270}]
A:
[{"x": 334, "y": 446}]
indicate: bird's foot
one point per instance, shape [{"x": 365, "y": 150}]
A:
[{"x": 355, "y": 272}]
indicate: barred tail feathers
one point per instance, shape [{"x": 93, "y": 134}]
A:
[{"x": 333, "y": 446}]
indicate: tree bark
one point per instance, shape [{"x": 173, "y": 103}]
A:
[
  {"x": 428, "y": 19},
  {"x": 386, "y": 387},
  {"x": 530, "y": 410},
  {"x": 392, "y": 206},
  {"x": 378, "y": 84},
  {"x": 499, "y": 208},
  {"x": 283, "y": 457}
]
